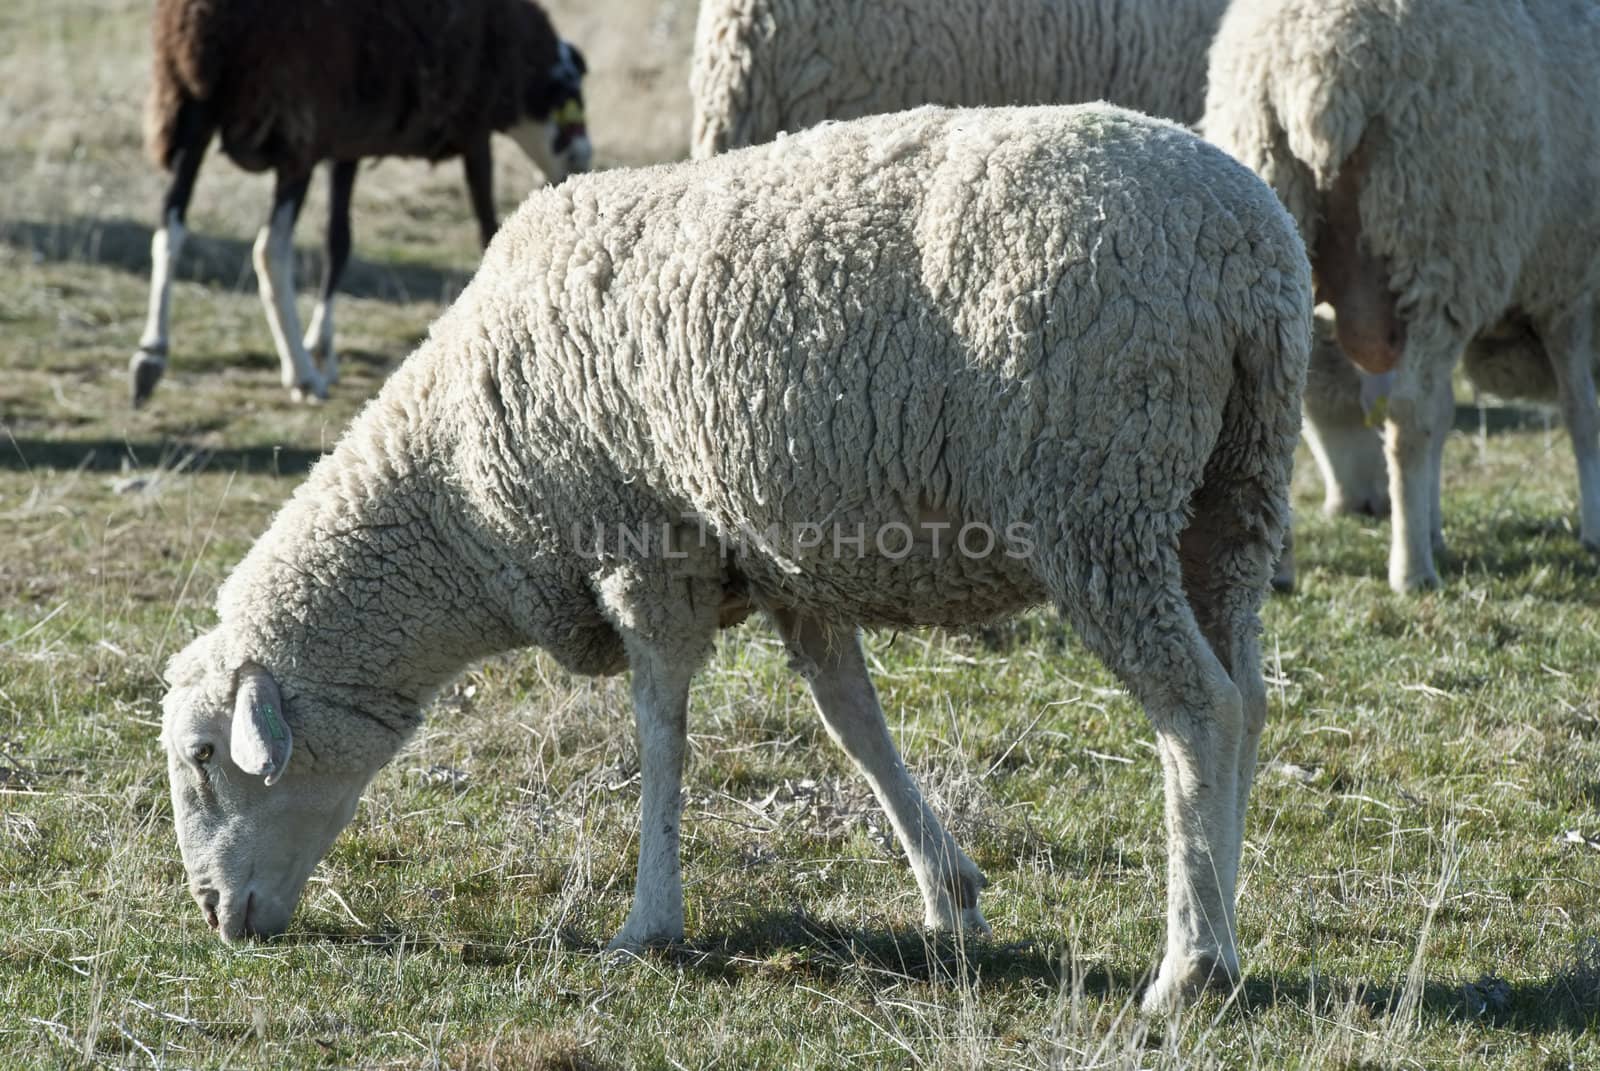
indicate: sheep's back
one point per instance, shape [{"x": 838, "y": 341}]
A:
[{"x": 995, "y": 318}]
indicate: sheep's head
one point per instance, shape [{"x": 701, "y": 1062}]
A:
[
  {"x": 251, "y": 826},
  {"x": 552, "y": 130}
]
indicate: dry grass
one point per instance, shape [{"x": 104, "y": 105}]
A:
[{"x": 1420, "y": 880}]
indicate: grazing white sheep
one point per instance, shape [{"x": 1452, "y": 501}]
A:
[
  {"x": 295, "y": 82},
  {"x": 765, "y": 66},
  {"x": 1439, "y": 156},
  {"x": 918, "y": 369}
]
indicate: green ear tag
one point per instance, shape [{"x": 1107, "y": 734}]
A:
[
  {"x": 1379, "y": 411},
  {"x": 274, "y": 725}
]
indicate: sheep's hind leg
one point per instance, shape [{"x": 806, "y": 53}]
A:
[
  {"x": 1138, "y": 620},
  {"x": 1224, "y": 561},
  {"x": 150, "y": 360},
  {"x": 1570, "y": 346},
  {"x": 830, "y": 659},
  {"x": 319, "y": 333},
  {"x": 274, "y": 262},
  {"x": 1415, "y": 445}
]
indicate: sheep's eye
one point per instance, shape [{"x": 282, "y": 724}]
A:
[{"x": 202, "y": 752}]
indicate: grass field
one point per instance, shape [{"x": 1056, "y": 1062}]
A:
[{"x": 1422, "y": 862}]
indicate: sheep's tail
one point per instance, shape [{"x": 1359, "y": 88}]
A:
[
  {"x": 162, "y": 106},
  {"x": 1244, "y": 491},
  {"x": 1294, "y": 114},
  {"x": 188, "y": 38},
  {"x": 731, "y": 111}
]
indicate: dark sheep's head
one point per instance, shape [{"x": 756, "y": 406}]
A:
[{"x": 552, "y": 130}]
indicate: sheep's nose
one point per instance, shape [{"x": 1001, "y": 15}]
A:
[{"x": 208, "y": 899}]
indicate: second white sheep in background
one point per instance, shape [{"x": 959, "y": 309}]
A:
[
  {"x": 1440, "y": 158},
  {"x": 766, "y": 66}
]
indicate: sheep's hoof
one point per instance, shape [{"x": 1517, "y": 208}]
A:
[
  {"x": 144, "y": 372},
  {"x": 630, "y": 945},
  {"x": 311, "y": 392},
  {"x": 325, "y": 358},
  {"x": 1404, "y": 583},
  {"x": 1181, "y": 980},
  {"x": 969, "y": 921},
  {"x": 956, "y": 910}
]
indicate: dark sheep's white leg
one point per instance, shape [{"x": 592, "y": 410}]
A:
[
  {"x": 1570, "y": 345},
  {"x": 149, "y": 362},
  {"x": 830, "y": 659},
  {"x": 319, "y": 332},
  {"x": 318, "y": 340},
  {"x": 274, "y": 262},
  {"x": 1415, "y": 447}
]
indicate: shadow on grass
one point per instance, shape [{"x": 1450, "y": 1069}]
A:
[
  {"x": 1568, "y": 1003},
  {"x": 117, "y": 455},
  {"x": 776, "y": 945},
  {"x": 1499, "y": 419},
  {"x": 1505, "y": 547},
  {"x": 793, "y": 947},
  {"x": 1508, "y": 545},
  {"x": 221, "y": 262}
]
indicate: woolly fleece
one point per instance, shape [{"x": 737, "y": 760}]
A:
[{"x": 765, "y": 66}]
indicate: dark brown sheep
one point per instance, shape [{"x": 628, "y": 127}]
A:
[{"x": 292, "y": 83}]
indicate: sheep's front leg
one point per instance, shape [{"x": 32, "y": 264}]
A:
[
  {"x": 274, "y": 263},
  {"x": 150, "y": 360},
  {"x": 830, "y": 659},
  {"x": 1570, "y": 345},
  {"x": 660, "y": 709}
]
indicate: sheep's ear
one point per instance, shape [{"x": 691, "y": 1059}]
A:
[{"x": 261, "y": 739}]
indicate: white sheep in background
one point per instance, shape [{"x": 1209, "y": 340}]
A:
[
  {"x": 1079, "y": 331},
  {"x": 1439, "y": 156},
  {"x": 1347, "y": 449},
  {"x": 765, "y": 66},
  {"x": 289, "y": 84}
]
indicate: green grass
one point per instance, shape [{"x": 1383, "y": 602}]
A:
[{"x": 1412, "y": 893}]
